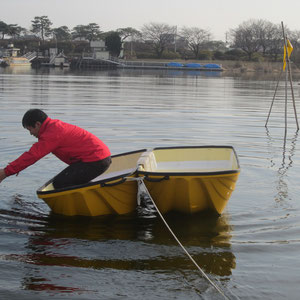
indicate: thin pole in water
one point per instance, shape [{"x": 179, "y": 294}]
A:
[
  {"x": 285, "y": 105},
  {"x": 273, "y": 98},
  {"x": 286, "y": 77}
]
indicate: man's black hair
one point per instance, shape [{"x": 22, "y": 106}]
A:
[{"x": 32, "y": 116}]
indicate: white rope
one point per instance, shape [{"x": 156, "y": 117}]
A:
[{"x": 141, "y": 182}]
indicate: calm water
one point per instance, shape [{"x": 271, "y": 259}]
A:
[{"x": 251, "y": 251}]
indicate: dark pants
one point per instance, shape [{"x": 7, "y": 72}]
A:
[{"x": 81, "y": 172}]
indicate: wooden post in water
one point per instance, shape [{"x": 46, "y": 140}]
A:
[{"x": 287, "y": 77}]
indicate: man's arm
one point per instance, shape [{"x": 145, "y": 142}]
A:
[
  {"x": 28, "y": 158},
  {"x": 2, "y": 174}
]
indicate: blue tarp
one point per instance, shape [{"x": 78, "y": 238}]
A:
[
  {"x": 194, "y": 65},
  {"x": 174, "y": 64},
  {"x": 212, "y": 66}
]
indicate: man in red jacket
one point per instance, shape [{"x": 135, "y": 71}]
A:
[{"x": 86, "y": 155}]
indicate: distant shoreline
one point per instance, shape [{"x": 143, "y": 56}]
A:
[{"x": 232, "y": 66}]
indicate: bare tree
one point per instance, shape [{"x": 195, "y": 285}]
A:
[
  {"x": 266, "y": 32},
  {"x": 196, "y": 38},
  {"x": 160, "y": 35},
  {"x": 277, "y": 43},
  {"x": 259, "y": 36},
  {"x": 247, "y": 37},
  {"x": 295, "y": 39}
]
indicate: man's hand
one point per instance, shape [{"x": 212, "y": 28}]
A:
[{"x": 2, "y": 174}]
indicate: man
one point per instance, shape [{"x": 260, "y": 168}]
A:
[{"x": 86, "y": 155}]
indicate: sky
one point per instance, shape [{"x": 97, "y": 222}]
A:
[{"x": 217, "y": 16}]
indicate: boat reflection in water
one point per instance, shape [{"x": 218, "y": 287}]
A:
[{"x": 131, "y": 244}]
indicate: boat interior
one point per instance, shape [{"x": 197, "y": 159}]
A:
[
  {"x": 181, "y": 160},
  {"x": 167, "y": 160}
]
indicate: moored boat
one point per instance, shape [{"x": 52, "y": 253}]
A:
[
  {"x": 12, "y": 58},
  {"x": 184, "y": 179},
  {"x": 15, "y": 61}
]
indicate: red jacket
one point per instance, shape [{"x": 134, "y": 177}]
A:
[{"x": 68, "y": 142}]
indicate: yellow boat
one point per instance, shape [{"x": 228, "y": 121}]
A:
[
  {"x": 185, "y": 179},
  {"x": 190, "y": 179},
  {"x": 109, "y": 193}
]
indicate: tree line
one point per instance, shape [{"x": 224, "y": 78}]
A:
[{"x": 255, "y": 39}]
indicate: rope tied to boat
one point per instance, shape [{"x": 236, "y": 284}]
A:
[{"x": 143, "y": 189}]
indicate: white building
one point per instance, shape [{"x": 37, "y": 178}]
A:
[{"x": 99, "y": 50}]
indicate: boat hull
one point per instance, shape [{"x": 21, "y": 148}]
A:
[
  {"x": 94, "y": 200},
  {"x": 191, "y": 194}
]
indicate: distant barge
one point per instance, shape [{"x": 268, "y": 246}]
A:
[{"x": 170, "y": 66}]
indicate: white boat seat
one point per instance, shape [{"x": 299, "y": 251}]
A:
[{"x": 147, "y": 162}]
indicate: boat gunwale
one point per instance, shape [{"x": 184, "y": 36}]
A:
[
  {"x": 193, "y": 147},
  {"x": 181, "y": 174},
  {"x": 91, "y": 183},
  {"x": 232, "y": 171}
]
